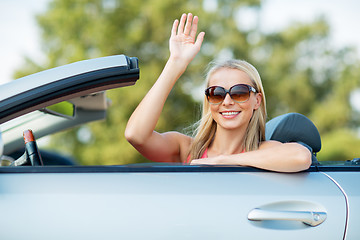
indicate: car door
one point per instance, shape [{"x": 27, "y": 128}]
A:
[
  {"x": 347, "y": 176},
  {"x": 219, "y": 205},
  {"x": 167, "y": 202}
]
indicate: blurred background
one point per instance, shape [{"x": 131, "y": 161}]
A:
[{"x": 307, "y": 53}]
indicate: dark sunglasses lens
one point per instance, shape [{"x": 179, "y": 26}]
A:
[
  {"x": 216, "y": 94},
  {"x": 240, "y": 93}
]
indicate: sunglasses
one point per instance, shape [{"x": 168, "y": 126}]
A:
[{"x": 239, "y": 93}]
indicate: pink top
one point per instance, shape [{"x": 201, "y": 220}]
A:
[{"x": 203, "y": 156}]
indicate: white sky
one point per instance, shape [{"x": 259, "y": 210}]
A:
[
  {"x": 20, "y": 36},
  {"x": 343, "y": 16}
]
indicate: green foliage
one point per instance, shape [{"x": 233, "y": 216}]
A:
[
  {"x": 63, "y": 108},
  {"x": 301, "y": 71},
  {"x": 341, "y": 144}
]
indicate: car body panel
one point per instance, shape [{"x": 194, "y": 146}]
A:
[
  {"x": 349, "y": 183},
  {"x": 164, "y": 205}
]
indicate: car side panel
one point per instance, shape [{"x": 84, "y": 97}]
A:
[
  {"x": 194, "y": 205},
  {"x": 349, "y": 182}
]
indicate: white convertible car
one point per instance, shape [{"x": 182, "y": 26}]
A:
[{"x": 39, "y": 200}]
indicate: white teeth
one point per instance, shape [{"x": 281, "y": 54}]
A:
[{"x": 229, "y": 113}]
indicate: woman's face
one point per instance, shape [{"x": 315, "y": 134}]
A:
[{"x": 231, "y": 115}]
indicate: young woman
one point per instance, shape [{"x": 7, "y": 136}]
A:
[{"x": 232, "y": 128}]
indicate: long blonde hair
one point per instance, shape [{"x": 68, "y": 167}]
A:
[{"x": 206, "y": 129}]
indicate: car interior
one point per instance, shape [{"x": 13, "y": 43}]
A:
[
  {"x": 47, "y": 121},
  {"x": 57, "y": 99}
]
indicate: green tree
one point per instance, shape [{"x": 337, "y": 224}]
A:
[
  {"x": 301, "y": 72},
  {"x": 304, "y": 73}
]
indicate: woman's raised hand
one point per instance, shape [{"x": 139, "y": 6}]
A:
[{"x": 183, "y": 42}]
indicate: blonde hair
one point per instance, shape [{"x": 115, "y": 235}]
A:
[{"x": 255, "y": 133}]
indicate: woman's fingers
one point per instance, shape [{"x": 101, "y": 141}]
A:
[
  {"x": 188, "y": 25},
  {"x": 193, "y": 30},
  {"x": 182, "y": 24},
  {"x": 174, "y": 28},
  {"x": 202, "y": 161},
  {"x": 200, "y": 39},
  {"x": 183, "y": 42}
]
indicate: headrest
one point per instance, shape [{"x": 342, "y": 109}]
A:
[{"x": 294, "y": 127}]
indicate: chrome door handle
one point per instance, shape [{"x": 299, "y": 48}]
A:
[{"x": 308, "y": 217}]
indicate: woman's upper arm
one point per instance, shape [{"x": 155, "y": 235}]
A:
[
  {"x": 273, "y": 143},
  {"x": 165, "y": 147},
  {"x": 269, "y": 144}
]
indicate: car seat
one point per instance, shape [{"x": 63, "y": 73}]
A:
[{"x": 295, "y": 127}]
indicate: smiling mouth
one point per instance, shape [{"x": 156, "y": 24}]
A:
[{"x": 228, "y": 114}]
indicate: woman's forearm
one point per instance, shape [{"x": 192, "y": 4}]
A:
[
  {"x": 183, "y": 45},
  {"x": 145, "y": 117},
  {"x": 285, "y": 157},
  {"x": 280, "y": 157}
]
